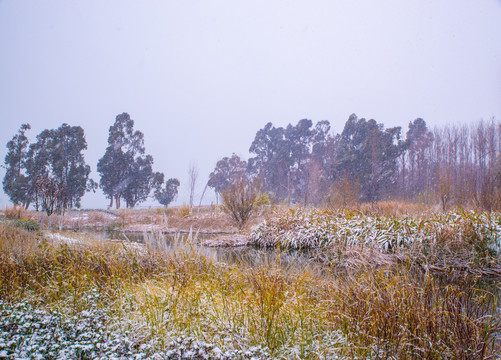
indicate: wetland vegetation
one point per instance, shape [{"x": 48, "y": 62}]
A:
[{"x": 372, "y": 284}]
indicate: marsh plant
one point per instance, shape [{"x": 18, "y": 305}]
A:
[
  {"x": 103, "y": 299},
  {"x": 240, "y": 199},
  {"x": 30, "y": 225},
  {"x": 302, "y": 228}
]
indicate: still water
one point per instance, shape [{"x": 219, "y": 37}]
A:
[{"x": 241, "y": 255}]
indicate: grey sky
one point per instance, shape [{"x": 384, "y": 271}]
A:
[{"x": 201, "y": 77}]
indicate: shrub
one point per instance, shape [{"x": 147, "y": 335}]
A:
[
  {"x": 263, "y": 200},
  {"x": 14, "y": 213},
  {"x": 240, "y": 200},
  {"x": 30, "y": 225},
  {"x": 184, "y": 210}
]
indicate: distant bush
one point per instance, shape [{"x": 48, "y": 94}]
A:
[
  {"x": 14, "y": 213},
  {"x": 29, "y": 225},
  {"x": 263, "y": 200},
  {"x": 164, "y": 211},
  {"x": 184, "y": 210},
  {"x": 241, "y": 199}
]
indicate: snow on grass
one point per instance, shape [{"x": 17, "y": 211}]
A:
[
  {"x": 30, "y": 333},
  {"x": 304, "y": 228},
  {"x": 62, "y": 238}
]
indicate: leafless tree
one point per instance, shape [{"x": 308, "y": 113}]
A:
[
  {"x": 202, "y": 197},
  {"x": 192, "y": 181}
]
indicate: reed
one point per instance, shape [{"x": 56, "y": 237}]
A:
[
  {"x": 461, "y": 240},
  {"x": 14, "y": 213},
  {"x": 393, "y": 314}
]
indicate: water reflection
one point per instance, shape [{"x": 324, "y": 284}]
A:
[
  {"x": 243, "y": 255},
  {"x": 255, "y": 257}
]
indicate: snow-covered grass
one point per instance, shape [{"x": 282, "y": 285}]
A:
[
  {"x": 443, "y": 241},
  {"x": 30, "y": 333},
  {"x": 309, "y": 228},
  {"x": 105, "y": 300}
]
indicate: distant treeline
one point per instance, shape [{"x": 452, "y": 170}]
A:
[
  {"x": 307, "y": 164},
  {"x": 299, "y": 164},
  {"x": 51, "y": 173}
]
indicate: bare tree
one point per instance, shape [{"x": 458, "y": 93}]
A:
[
  {"x": 345, "y": 193},
  {"x": 316, "y": 184},
  {"x": 444, "y": 185},
  {"x": 192, "y": 181},
  {"x": 202, "y": 197}
]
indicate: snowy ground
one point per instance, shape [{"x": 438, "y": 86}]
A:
[{"x": 28, "y": 333}]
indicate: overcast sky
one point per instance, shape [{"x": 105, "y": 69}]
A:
[{"x": 200, "y": 78}]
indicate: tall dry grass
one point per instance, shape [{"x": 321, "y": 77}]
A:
[
  {"x": 395, "y": 314},
  {"x": 293, "y": 312},
  {"x": 14, "y": 213},
  {"x": 52, "y": 273},
  {"x": 396, "y": 208}
]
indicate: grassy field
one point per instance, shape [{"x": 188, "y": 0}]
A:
[{"x": 380, "y": 285}]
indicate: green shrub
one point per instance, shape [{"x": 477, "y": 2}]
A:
[
  {"x": 30, "y": 225},
  {"x": 263, "y": 200}
]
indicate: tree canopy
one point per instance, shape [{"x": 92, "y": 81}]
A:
[
  {"x": 55, "y": 158},
  {"x": 168, "y": 193},
  {"x": 366, "y": 162},
  {"x": 15, "y": 182},
  {"x": 126, "y": 171},
  {"x": 227, "y": 170},
  {"x": 369, "y": 153},
  {"x": 304, "y": 163}
]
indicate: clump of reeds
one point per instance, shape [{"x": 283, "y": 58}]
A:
[
  {"x": 388, "y": 314},
  {"x": 310, "y": 228},
  {"x": 14, "y": 213},
  {"x": 31, "y": 265},
  {"x": 184, "y": 210},
  {"x": 29, "y": 225},
  {"x": 458, "y": 239}
]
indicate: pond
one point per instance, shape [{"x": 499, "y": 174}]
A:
[
  {"x": 242, "y": 255},
  {"x": 292, "y": 260}
]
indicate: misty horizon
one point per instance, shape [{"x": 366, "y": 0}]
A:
[{"x": 199, "y": 80}]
